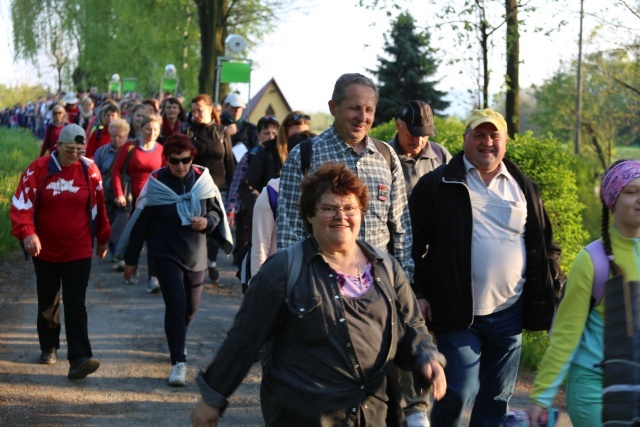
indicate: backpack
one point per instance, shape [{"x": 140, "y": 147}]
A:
[
  {"x": 600, "y": 262},
  {"x": 244, "y": 272},
  {"x": 126, "y": 180},
  {"x": 306, "y": 152}
]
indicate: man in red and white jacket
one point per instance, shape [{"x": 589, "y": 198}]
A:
[{"x": 57, "y": 211}]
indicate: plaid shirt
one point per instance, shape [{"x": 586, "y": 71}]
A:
[
  {"x": 233, "y": 198},
  {"x": 388, "y": 216}
]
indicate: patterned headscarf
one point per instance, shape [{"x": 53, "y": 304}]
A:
[{"x": 616, "y": 178}]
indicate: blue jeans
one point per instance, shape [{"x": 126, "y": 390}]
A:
[{"x": 482, "y": 364}]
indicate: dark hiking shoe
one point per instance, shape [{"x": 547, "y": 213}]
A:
[
  {"x": 214, "y": 275},
  {"x": 48, "y": 357},
  {"x": 80, "y": 368}
]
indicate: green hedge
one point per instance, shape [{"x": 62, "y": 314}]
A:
[{"x": 18, "y": 148}]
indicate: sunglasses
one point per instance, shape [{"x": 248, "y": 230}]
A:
[
  {"x": 270, "y": 119},
  {"x": 184, "y": 160},
  {"x": 58, "y": 112},
  {"x": 300, "y": 117},
  {"x": 71, "y": 150}
]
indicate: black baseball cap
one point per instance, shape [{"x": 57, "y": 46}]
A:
[{"x": 418, "y": 117}]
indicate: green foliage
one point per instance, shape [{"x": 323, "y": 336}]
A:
[
  {"x": 92, "y": 39},
  {"x": 551, "y": 165},
  {"x": 403, "y": 74},
  {"x": 18, "y": 149},
  {"x": 610, "y": 104},
  {"x": 385, "y": 131},
  {"x": 534, "y": 345},
  {"x": 320, "y": 122},
  {"x": 11, "y": 95}
]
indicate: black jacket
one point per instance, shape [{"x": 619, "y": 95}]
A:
[
  {"x": 265, "y": 165},
  {"x": 442, "y": 223},
  {"x": 314, "y": 377},
  {"x": 214, "y": 151},
  {"x": 247, "y": 132}
]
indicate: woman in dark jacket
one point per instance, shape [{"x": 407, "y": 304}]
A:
[
  {"x": 213, "y": 144},
  {"x": 179, "y": 205}
]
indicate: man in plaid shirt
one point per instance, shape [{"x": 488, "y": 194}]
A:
[{"x": 386, "y": 224}]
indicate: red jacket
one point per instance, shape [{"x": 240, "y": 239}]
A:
[
  {"x": 42, "y": 172},
  {"x": 99, "y": 137}
]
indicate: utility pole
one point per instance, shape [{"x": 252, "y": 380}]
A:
[{"x": 579, "y": 97}]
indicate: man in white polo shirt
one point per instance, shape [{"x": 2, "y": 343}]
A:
[{"x": 485, "y": 265}]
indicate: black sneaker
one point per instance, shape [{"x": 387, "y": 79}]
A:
[
  {"x": 214, "y": 274},
  {"x": 80, "y": 368},
  {"x": 48, "y": 357}
]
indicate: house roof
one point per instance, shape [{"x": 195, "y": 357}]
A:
[{"x": 256, "y": 98}]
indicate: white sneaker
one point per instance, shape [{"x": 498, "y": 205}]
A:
[
  {"x": 153, "y": 287},
  {"x": 178, "y": 374},
  {"x": 419, "y": 419},
  {"x": 133, "y": 279}
]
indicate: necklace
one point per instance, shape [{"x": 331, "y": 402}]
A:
[{"x": 355, "y": 262}]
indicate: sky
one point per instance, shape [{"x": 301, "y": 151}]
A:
[{"x": 311, "y": 47}]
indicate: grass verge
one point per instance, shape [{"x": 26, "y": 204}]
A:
[{"x": 18, "y": 148}]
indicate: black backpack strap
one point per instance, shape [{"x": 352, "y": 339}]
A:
[
  {"x": 294, "y": 264},
  {"x": 306, "y": 151}
]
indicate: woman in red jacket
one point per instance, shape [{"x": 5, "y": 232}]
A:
[
  {"x": 57, "y": 211},
  {"x": 173, "y": 115},
  {"x": 138, "y": 159},
  {"x": 52, "y": 132},
  {"x": 100, "y": 135}
]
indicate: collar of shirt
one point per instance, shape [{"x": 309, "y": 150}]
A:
[{"x": 470, "y": 167}]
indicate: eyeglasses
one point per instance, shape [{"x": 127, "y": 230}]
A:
[
  {"x": 300, "y": 117},
  {"x": 270, "y": 119},
  {"x": 58, "y": 112},
  {"x": 332, "y": 211},
  {"x": 184, "y": 160}
]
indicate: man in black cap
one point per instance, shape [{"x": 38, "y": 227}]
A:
[{"x": 417, "y": 154}]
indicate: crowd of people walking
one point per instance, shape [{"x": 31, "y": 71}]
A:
[{"x": 348, "y": 248}]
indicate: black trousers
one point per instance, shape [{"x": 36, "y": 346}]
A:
[
  {"x": 181, "y": 291},
  {"x": 72, "y": 278}
]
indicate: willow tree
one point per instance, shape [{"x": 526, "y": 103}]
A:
[{"x": 139, "y": 38}]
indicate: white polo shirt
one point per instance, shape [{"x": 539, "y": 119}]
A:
[{"x": 498, "y": 254}]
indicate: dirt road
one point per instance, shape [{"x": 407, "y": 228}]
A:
[{"x": 126, "y": 332}]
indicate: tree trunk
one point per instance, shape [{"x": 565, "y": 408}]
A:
[
  {"x": 212, "y": 16},
  {"x": 513, "y": 64},
  {"x": 484, "y": 47}
]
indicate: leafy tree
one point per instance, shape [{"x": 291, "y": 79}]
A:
[
  {"x": 137, "y": 39},
  {"x": 403, "y": 76},
  {"x": 11, "y": 95},
  {"x": 611, "y": 103}
]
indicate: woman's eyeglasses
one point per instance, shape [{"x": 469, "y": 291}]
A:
[
  {"x": 332, "y": 211},
  {"x": 270, "y": 119},
  {"x": 176, "y": 160},
  {"x": 58, "y": 112}
]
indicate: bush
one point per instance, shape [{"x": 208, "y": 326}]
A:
[{"x": 19, "y": 148}]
